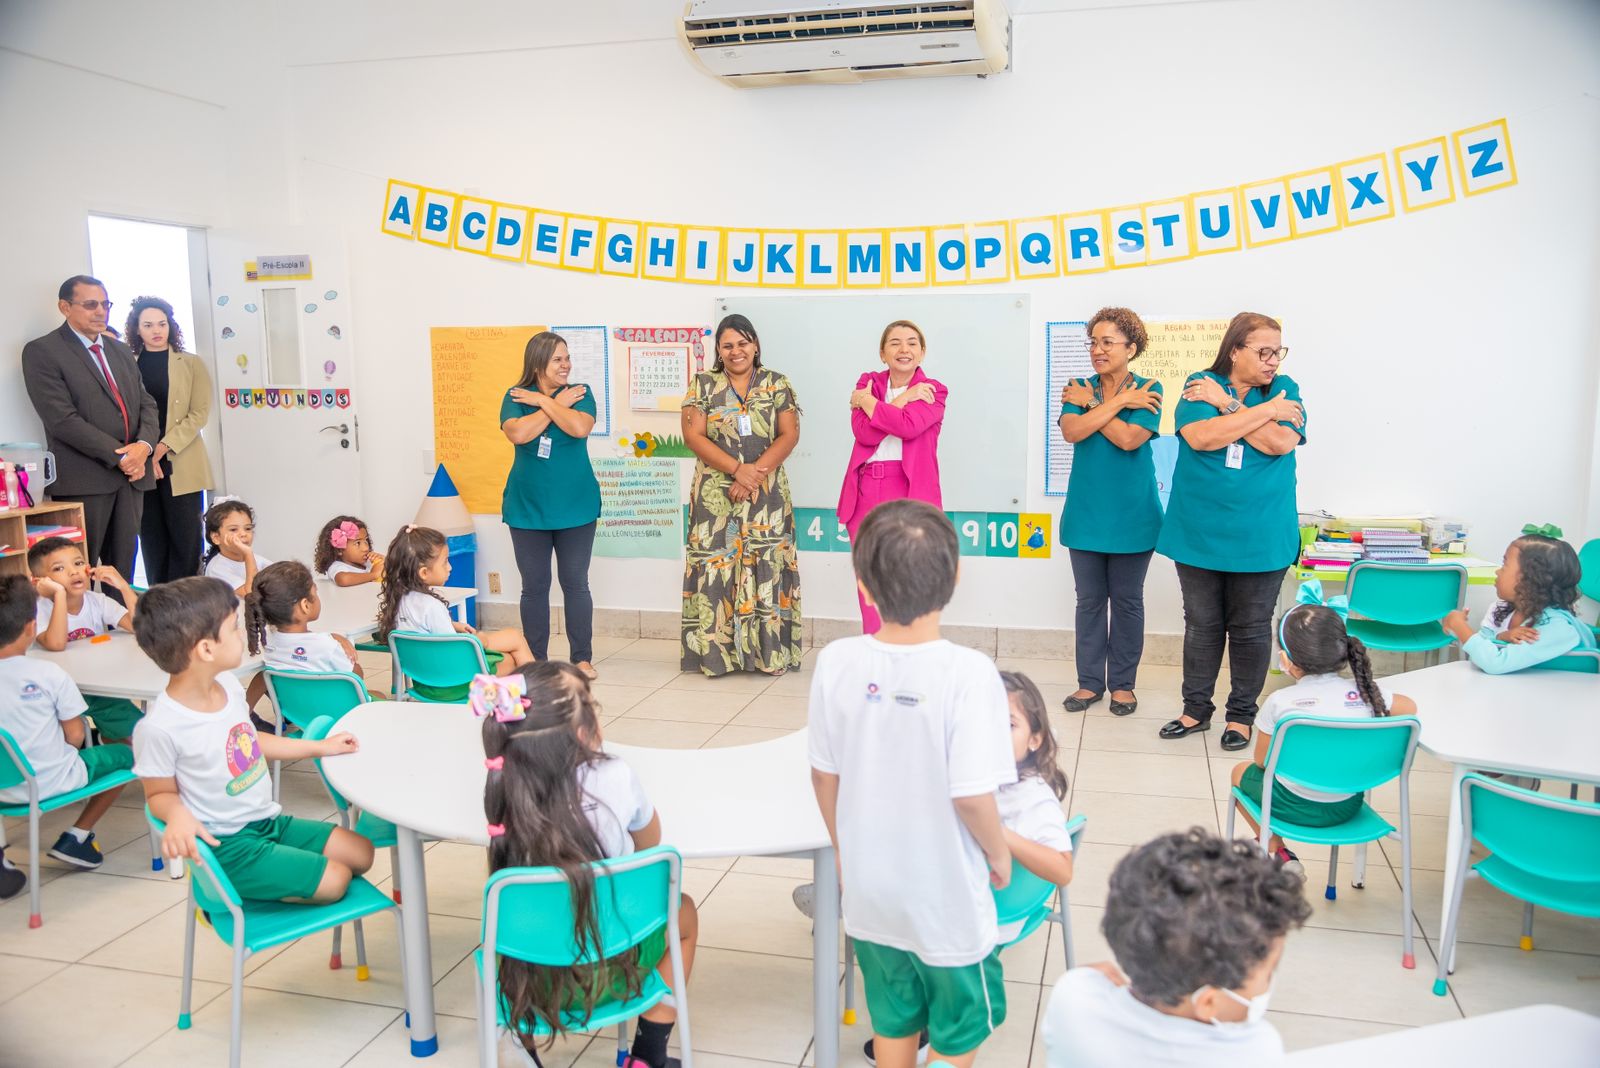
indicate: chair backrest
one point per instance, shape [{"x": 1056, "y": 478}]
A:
[
  {"x": 1547, "y": 835},
  {"x": 527, "y": 912},
  {"x": 1405, "y": 594},
  {"x": 14, "y": 767},
  {"x": 437, "y": 659},
  {"x": 1585, "y": 661},
  {"x": 302, "y": 696},
  {"x": 1342, "y": 756},
  {"x": 1589, "y": 568},
  {"x": 1027, "y": 893},
  {"x": 212, "y": 890}
]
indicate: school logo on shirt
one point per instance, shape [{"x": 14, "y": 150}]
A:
[
  {"x": 244, "y": 759},
  {"x": 299, "y": 653},
  {"x": 1352, "y": 699},
  {"x": 31, "y": 691},
  {"x": 872, "y": 693}
]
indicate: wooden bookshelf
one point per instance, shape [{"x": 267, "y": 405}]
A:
[{"x": 14, "y": 526}]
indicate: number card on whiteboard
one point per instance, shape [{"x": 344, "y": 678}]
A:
[
  {"x": 658, "y": 377},
  {"x": 1005, "y": 535}
]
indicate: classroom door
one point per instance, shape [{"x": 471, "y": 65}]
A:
[{"x": 286, "y": 391}]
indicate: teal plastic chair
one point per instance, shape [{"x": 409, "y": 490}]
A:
[
  {"x": 1341, "y": 756},
  {"x": 527, "y": 916},
  {"x": 1026, "y": 900},
  {"x": 1397, "y": 607},
  {"x": 435, "y": 667},
  {"x": 1543, "y": 850},
  {"x": 248, "y": 927},
  {"x": 1589, "y": 576},
  {"x": 298, "y": 697},
  {"x": 16, "y": 771},
  {"x": 1585, "y": 661}
]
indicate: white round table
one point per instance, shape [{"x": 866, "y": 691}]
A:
[{"x": 421, "y": 767}]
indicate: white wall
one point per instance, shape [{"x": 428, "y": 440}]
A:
[{"x": 1447, "y": 359}]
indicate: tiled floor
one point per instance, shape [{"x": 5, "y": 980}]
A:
[{"x": 97, "y": 984}]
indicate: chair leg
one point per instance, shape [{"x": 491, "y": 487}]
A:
[
  {"x": 236, "y": 1034},
  {"x": 188, "y": 961},
  {"x": 156, "y": 863},
  {"x": 1527, "y": 925},
  {"x": 336, "y": 957},
  {"x": 1358, "y": 868},
  {"x": 394, "y": 867},
  {"x": 1232, "y": 808},
  {"x": 35, "y": 914},
  {"x": 622, "y": 1042},
  {"x": 849, "y": 980},
  {"x": 1447, "y": 944},
  {"x": 1332, "y": 892},
  {"x": 362, "y": 974},
  {"x": 1408, "y": 956},
  {"x": 1066, "y": 930},
  {"x": 277, "y": 780}
]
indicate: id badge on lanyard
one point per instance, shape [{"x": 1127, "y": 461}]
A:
[
  {"x": 744, "y": 424},
  {"x": 544, "y": 446}
]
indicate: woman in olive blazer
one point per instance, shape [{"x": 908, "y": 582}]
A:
[{"x": 170, "y": 532}]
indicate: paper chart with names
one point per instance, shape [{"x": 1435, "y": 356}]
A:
[
  {"x": 1066, "y": 347},
  {"x": 590, "y": 349}
]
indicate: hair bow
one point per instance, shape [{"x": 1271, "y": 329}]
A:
[
  {"x": 500, "y": 697},
  {"x": 343, "y": 534},
  {"x": 1310, "y": 592},
  {"x": 496, "y": 830},
  {"x": 1549, "y": 530},
  {"x": 495, "y": 763}
]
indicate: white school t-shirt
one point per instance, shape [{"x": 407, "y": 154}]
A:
[
  {"x": 1317, "y": 695},
  {"x": 908, "y": 728},
  {"x": 425, "y": 613},
  {"x": 339, "y": 567},
  {"x": 615, "y": 803},
  {"x": 1031, "y": 809},
  {"x": 99, "y": 615},
  {"x": 311, "y": 651},
  {"x": 36, "y": 697},
  {"x": 891, "y": 448},
  {"x": 1091, "y": 1022},
  {"x": 215, "y": 756},
  {"x": 231, "y": 571}
]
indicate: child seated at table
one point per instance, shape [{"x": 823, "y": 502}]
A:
[
  {"x": 42, "y": 709},
  {"x": 204, "y": 767},
  {"x": 344, "y": 553},
  {"x": 70, "y": 611},
  {"x": 278, "y": 614},
  {"x": 910, "y": 738},
  {"x": 1532, "y": 622},
  {"x": 418, "y": 559},
  {"x": 554, "y": 799},
  {"x": 231, "y": 531},
  {"x": 1315, "y": 647},
  {"x": 1198, "y": 923}
]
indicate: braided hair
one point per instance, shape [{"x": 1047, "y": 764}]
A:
[{"x": 1315, "y": 641}]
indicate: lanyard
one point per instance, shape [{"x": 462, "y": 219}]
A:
[
  {"x": 1127, "y": 380},
  {"x": 742, "y": 400}
]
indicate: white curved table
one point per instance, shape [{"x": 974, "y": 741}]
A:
[
  {"x": 421, "y": 767},
  {"x": 1551, "y": 1036},
  {"x": 1538, "y": 722}
]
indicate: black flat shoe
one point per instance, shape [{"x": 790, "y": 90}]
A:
[
  {"x": 1078, "y": 704},
  {"x": 1178, "y": 729},
  {"x": 1233, "y": 741},
  {"x": 1124, "y": 708}
]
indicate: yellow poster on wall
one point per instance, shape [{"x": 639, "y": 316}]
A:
[
  {"x": 473, "y": 366},
  {"x": 1177, "y": 350}
]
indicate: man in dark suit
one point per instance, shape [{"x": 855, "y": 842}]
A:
[{"x": 98, "y": 420}]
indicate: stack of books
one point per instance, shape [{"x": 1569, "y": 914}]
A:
[
  {"x": 1393, "y": 546},
  {"x": 1331, "y": 554},
  {"x": 36, "y": 534}
]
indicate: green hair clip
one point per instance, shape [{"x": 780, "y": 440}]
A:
[{"x": 1549, "y": 530}]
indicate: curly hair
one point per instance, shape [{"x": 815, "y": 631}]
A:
[
  {"x": 323, "y": 556},
  {"x": 142, "y": 305},
  {"x": 1549, "y": 574},
  {"x": 1125, "y": 320},
  {"x": 1315, "y": 640},
  {"x": 1189, "y": 910},
  {"x": 214, "y": 517},
  {"x": 1041, "y": 761}
]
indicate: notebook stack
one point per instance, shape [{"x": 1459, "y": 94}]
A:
[
  {"x": 36, "y": 534},
  {"x": 1393, "y": 546},
  {"x": 1331, "y": 554}
]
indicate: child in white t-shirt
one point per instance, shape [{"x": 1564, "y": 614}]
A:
[
  {"x": 1315, "y": 647},
  {"x": 1030, "y": 808},
  {"x": 541, "y": 738},
  {"x": 417, "y": 561},
  {"x": 909, "y": 741},
  {"x": 69, "y": 611},
  {"x": 278, "y": 614},
  {"x": 231, "y": 530},
  {"x": 204, "y": 766},
  {"x": 344, "y": 553},
  {"x": 1198, "y": 925},
  {"x": 41, "y": 708}
]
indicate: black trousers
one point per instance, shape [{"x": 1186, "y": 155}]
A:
[
  {"x": 1109, "y": 584},
  {"x": 573, "y": 547},
  {"x": 1236, "y": 606},
  {"x": 111, "y": 527},
  {"x": 170, "y": 534}
]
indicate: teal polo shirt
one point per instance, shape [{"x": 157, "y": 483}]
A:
[
  {"x": 554, "y": 493},
  {"x": 1226, "y": 519},
  {"x": 1112, "y": 505}
]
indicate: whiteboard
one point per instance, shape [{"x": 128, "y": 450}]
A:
[{"x": 977, "y": 346}]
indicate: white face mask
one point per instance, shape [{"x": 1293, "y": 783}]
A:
[{"x": 1255, "y": 1008}]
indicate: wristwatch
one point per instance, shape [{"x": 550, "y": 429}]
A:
[
  {"x": 1232, "y": 406},
  {"x": 1094, "y": 402}
]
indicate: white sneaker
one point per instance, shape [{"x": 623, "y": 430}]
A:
[{"x": 805, "y": 899}]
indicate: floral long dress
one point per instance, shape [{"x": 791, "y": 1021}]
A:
[{"x": 741, "y": 578}]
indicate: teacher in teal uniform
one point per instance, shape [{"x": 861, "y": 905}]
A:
[
  {"x": 1112, "y": 515},
  {"x": 552, "y": 499},
  {"x": 1232, "y": 525}
]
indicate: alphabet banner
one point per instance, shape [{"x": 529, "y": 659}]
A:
[{"x": 1303, "y": 204}]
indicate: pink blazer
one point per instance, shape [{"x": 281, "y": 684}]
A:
[{"x": 916, "y": 425}]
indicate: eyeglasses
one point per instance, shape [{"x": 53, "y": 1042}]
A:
[
  {"x": 1104, "y": 343},
  {"x": 1268, "y": 355},
  {"x": 92, "y": 305}
]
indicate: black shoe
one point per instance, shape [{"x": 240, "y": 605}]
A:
[
  {"x": 1124, "y": 708},
  {"x": 263, "y": 726},
  {"x": 1233, "y": 741},
  {"x": 1178, "y": 729},
  {"x": 12, "y": 882},
  {"x": 922, "y": 1050},
  {"x": 84, "y": 854},
  {"x": 1078, "y": 704}
]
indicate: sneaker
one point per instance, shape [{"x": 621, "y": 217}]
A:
[
  {"x": 922, "y": 1050},
  {"x": 263, "y": 726},
  {"x": 1289, "y": 861},
  {"x": 84, "y": 854},
  {"x": 805, "y": 899},
  {"x": 12, "y": 882}
]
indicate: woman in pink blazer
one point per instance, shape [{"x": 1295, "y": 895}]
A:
[{"x": 896, "y": 417}]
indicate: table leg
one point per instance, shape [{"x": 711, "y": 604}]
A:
[
  {"x": 825, "y": 960},
  {"x": 1452, "y": 852},
  {"x": 418, "y": 954}
]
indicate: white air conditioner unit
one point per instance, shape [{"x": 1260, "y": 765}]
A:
[{"x": 751, "y": 43}]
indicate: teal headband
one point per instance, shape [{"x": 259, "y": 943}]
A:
[{"x": 1310, "y": 593}]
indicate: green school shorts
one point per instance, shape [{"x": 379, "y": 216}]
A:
[
  {"x": 275, "y": 859},
  {"x": 1292, "y": 808},
  {"x": 456, "y": 695},
  {"x": 958, "y": 1006},
  {"x": 102, "y": 760},
  {"x": 114, "y": 716}
]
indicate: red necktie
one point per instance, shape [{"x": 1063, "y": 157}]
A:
[{"x": 116, "y": 394}]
